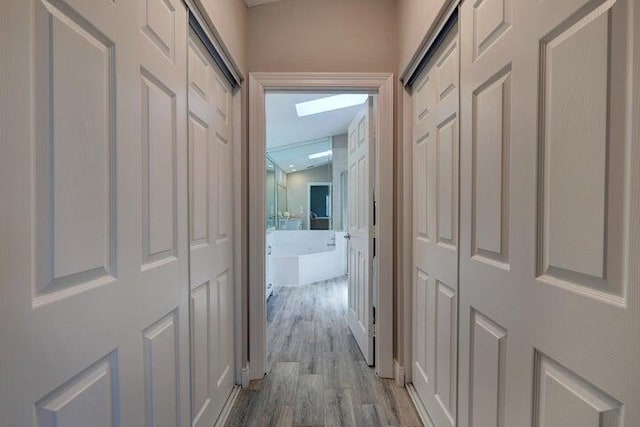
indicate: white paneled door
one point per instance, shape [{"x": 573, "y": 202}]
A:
[
  {"x": 550, "y": 201},
  {"x": 211, "y": 213},
  {"x": 360, "y": 218},
  {"x": 435, "y": 233},
  {"x": 93, "y": 240}
]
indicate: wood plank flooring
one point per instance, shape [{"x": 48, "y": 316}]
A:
[{"x": 317, "y": 375}]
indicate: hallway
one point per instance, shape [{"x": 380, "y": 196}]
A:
[
  {"x": 318, "y": 375},
  {"x": 167, "y": 164}
]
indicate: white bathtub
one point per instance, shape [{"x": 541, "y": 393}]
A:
[{"x": 300, "y": 257}]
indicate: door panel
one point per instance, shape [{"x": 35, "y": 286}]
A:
[
  {"x": 94, "y": 193},
  {"x": 210, "y": 209},
  {"x": 360, "y": 156},
  {"x": 550, "y": 302},
  {"x": 435, "y": 231}
]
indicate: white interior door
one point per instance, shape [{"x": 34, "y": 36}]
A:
[
  {"x": 360, "y": 211},
  {"x": 435, "y": 233},
  {"x": 550, "y": 285},
  {"x": 210, "y": 211},
  {"x": 93, "y": 264}
]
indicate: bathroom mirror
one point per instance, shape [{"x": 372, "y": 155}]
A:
[{"x": 300, "y": 164}]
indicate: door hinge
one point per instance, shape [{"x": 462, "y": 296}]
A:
[
  {"x": 372, "y": 325},
  {"x": 375, "y": 216}
]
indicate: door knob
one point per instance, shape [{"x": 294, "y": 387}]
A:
[{"x": 347, "y": 236}]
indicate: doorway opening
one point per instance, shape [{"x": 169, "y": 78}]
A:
[
  {"x": 319, "y": 275},
  {"x": 320, "y": 179}
]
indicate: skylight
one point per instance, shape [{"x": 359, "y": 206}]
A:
[
  {"x": 319, "y": 155},
  {"x": 329, "y": 103}
]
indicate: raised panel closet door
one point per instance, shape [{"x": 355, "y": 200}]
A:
[
  {"x": 211, "y": 214},
  {"x": 435, "y": 233},
  {"x": 94, "y": 272},
  {"x": 550, "y": 201}
]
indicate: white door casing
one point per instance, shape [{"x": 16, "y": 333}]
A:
[
  {"x": 211, "y": 243},
  {"x": 360, "y": 149},
  {"x": 550, "y": 201},
  {"x": 93, "y": 271},
  {"x": 435, "y": 233},
  {"x": 382, "y": 85}
]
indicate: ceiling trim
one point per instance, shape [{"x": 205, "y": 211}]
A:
[{"x": 252, "y": 3}]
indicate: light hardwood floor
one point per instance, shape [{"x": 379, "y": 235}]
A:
[{"x": 317, "y": 374}]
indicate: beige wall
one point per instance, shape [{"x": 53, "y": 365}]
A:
[
  {"x": 415, "y": 20},
  {"x": 327, "y": 35},
  {"x": 229, "y": 17}
]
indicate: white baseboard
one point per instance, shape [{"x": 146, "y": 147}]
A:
[
  {"x": 228, "y": 406},
  {"x": 398, "y": 373},
  {"x": 244, "y": 376},
  {"x": 417, "y": 403}
]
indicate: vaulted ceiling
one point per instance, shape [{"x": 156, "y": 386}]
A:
[
  {"x": 284, "y": 127},
  {"x": 291, "y": 139}
]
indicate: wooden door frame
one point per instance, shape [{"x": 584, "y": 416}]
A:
[{"x": 382, "y": 85}]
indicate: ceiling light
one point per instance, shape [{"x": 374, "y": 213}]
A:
[
  {"x": 321, "y": 154},
  {"x": 290, "y": 166},
  {"x": 293, "y": 170},
  {"x": 329, "y": 103}
]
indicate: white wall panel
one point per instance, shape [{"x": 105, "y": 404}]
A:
[
  {"x": 563, "y": 399},
  {"x": 224, "y": 188},
  {"x": 158, "y": 169},
  {"x": 488, "y": 362},
  {"x": 445, "y": 365},
  {"x": 491, "y": 19},
  {"x": 448, "y": 71},
  {"x": 575, "y": 146},
  {"x": 447, "y": 181},
  {"x": 200, "y": 345},
  {"x": 160, "y": 25},
  {"x": 75, "y": 205},
  {"x": 161, "y": 372},
  {"x": 89, "y": 399},
  {"x": 491, "y": 137},
  {"x": 199, "y": 180}
]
